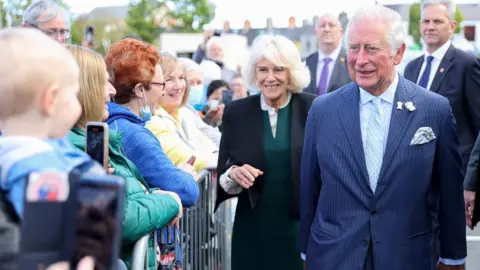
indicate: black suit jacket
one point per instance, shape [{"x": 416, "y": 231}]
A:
[
  {"x": 458, "y": 79},
  {"x": 339, "y": 78},
  {"x": 243, "y": 143},
  {"x": 471, "y": 174}
]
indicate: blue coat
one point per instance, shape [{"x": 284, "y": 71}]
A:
[
  {"x": 145, "y": 151},
  {"x": 340, "y": 214},
  {"x": 21, "y": 156}
]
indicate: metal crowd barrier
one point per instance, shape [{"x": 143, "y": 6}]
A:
[
  {"x": 205, "y": 236},
  {"x": 140, "y": 254}
]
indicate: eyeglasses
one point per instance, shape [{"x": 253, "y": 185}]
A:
[
  {"x": 161, "y": 85},
  {"x": 53, "y": 32}
]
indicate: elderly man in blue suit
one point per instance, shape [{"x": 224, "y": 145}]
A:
[{"x": 374, "y": 151}]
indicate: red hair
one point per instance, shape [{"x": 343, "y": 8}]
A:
[{"x": 130, "y": 62}]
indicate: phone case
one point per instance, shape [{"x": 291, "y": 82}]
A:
[
  {"x": 105, "y": 141},
  {"x": 46, "y": 230},
  {"x": 119, "y": 183}
]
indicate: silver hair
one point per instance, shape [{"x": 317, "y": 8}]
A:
[
  {"x": 281, "y": 52},
  {"x": 189, "y": 64},
  {"x": 213, "y": 41},
  {"x": 449, "y": 4},
  {"x": 47, "y": 10},
  {"x": 395, "y": 33}
]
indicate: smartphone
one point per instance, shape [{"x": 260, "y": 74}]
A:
[
  {"x": 97, "y": 142},
  {"x": 227, "y": 96},
  {"x": 99, "y": 217},
  {"x": 191, "y": 161},
  {"x": 89, "y": 35},
  {"x": 48, "y": 220}
]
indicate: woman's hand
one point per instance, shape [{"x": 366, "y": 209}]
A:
[
  {"x": 86, "y": 263},
  {"x": 110, "y": 169},
  {"x": 216, "y": 114},
  {"x": 188, "y": 168},
  {"x": 245, "y": 175},
  {"x": 176, "y": 220}
]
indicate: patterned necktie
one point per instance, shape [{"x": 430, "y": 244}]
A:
[
  {"x": 426, "y": 73},
  {"x": 374, "y": 144},
  {"x": 322, "y": 83}
]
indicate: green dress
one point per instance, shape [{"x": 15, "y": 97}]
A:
[{"x": 267, "y": 238}]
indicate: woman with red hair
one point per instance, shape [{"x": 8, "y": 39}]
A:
[{"x": 136, "y": 74}]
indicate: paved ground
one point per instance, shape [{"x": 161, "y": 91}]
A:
[{"x": 473, "y": 259}]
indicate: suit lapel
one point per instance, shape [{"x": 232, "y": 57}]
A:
[
  {"x": 297, "y": 128},
  {"x": 313, "y": 69},
  {"x": 350, "y": 116},
  {"x": 443, "y": 69},
  {"x": 417, "y": 66},
  {"x": 399, "y": 123},
  {"x": 256, "y": 126},
  {"x": 337, "y": 70},
  {"x": 297, "y": 131}
]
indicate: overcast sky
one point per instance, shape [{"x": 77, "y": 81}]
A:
[{"x": 236, "y": 11}]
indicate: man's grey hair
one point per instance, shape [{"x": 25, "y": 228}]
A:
[
  {"x": 47, "y": 10},
  {"x": 449, "y": 4},
  {"x": 395, "y": 33}
]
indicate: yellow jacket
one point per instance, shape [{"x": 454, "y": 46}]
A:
[{"x": 180, "y": 139}]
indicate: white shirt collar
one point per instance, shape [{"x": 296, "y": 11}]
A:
[
  {"x": 388, "y": 95},
  {"x": 440, "y": 52},
  {"x": 266, "y": 107},
  {"x": 333, "y": 55}
]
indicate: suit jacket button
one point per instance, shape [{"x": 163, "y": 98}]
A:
[
  {"x": 373, "y": 212},
  {"x": 366, "y": 242}
]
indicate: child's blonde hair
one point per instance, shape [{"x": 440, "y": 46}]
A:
[{"x": 30, "y": 63}]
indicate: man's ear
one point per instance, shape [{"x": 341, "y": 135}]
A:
[
  {"x": 48, "y": 99},
  {"x": 397, "y": 59}
]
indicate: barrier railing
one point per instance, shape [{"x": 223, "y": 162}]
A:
[
  {"x": 140, "y": 254},
  {"x": 205, "y": 236}
]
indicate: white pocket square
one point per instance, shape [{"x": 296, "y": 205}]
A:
[{"x": 422, "y": 136}]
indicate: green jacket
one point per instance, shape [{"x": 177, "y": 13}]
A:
[{"x": 143, "y": 212}]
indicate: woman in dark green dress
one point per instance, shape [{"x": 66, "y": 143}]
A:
[{"x": 260, "y": 154}]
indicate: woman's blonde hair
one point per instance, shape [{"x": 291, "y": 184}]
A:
[
  {"x": 92, "y": 83},
  {"x": 169, "y": 64}
]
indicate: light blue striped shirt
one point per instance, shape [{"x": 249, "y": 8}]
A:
[{"x": 386, "y": 107}]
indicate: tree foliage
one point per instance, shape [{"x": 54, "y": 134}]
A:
[
  {"x": 414, "y": 23},
  {"x": 415, "y": 17},
  {"x": 107, "y": 31},
  {"x": 142, "y": 21},
  {"x": 3, "y": 21},
  {"x": 192, "y": 15}
]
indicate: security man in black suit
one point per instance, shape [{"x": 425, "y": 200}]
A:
[{"x": 448, "y": 71}]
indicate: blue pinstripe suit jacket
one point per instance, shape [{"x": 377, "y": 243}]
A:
[{"x": 340, "y": 215}]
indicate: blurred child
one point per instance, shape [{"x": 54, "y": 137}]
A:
[{"x": 38, "y": 107}]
